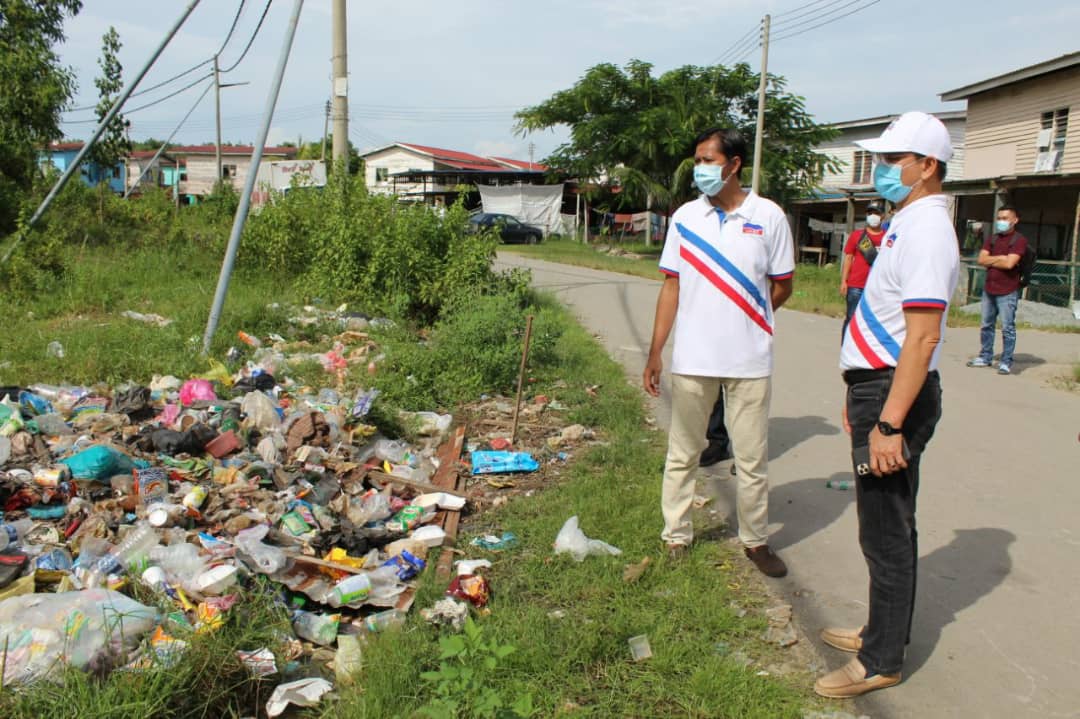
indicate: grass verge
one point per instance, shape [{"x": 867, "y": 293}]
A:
[{"x": 578, "y": 664}]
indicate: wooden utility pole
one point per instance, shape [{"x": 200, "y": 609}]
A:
[
  {"x": 759, "y": 133},
  {"x": 341, "y": 86}
]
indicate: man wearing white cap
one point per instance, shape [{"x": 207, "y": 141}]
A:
[{"x": 889, "y": 361}]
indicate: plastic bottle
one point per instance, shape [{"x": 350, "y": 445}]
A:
[
  {"x": 349, "y": 659},
  {"x": 842, "y": 484},
  {"x": 135, "y": 546},
  {"x": 11, "y": 533},
  {"x": 352, "y": 589},
  {"x": 381, "y": 621},
  {"x": 319, "y": 628}
]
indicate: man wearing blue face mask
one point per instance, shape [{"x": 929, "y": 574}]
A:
[
  {"x": 1000, "y": 256},
  {"x": 889, "y": 361},
  {"x": 729, "y": 261}
]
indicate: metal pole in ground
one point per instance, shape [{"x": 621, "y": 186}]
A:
[
  {"x": 74, "y": 166},
  {"x": 249, "y": 183},
  {"x": 521, "y": 378},
  {"x": 1075, "y": 241}
]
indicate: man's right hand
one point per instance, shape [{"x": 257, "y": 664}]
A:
[
  {"x": 843, "y": 289},
  {"x": 651, "y": 378}
]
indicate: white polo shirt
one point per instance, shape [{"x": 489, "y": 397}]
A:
[
  {"x": 917, "y": 266},
  {"x": 724, "y": 325}
]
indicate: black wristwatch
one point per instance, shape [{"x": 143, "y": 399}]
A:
[{"x": 887, "y": 429}]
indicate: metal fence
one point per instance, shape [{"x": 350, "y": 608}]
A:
[{"x": 1052, "y": 282}]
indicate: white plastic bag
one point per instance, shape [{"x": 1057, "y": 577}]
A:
[
  {"x": 45, "y": 631},
  {"x": 260, "y": 411},
  {"x": 571, "y": 539}
]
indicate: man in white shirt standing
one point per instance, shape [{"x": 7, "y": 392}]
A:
[
  {"x": 889, "y": 361},
  {"x": 729, "y": 262}
]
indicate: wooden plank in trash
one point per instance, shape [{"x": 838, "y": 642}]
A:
[{"x": 423, "y": 487}]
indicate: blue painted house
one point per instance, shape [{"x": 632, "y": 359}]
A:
[{"x": 62, "y": 154}]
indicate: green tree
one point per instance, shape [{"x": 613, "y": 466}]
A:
[
  {"x": 34, "y": 89},
  {"x": 636, "y": 129},
  {"x": 113, "y": 143}
]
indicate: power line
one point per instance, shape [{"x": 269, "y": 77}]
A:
[
  {"x": 176, "y": 77},
  {"x": 185, "y": 88},
  {"x": 232, "y": 28},
  {"x": 190, "y": 70},
  {"x": 826, "y": 22},
  {"x": 749, "y": 35},
  {"x": 796, "y": 12},
  {"x": 251, "y": 40}
]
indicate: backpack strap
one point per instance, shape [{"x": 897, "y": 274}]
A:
[{"x": 866, "y": 248}]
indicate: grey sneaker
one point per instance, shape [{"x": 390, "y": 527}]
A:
[
  {"x": 978, "y": 362},
  {"x": 1004, "y": 369}
]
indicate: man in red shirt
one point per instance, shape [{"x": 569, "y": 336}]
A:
[
  {"x": 1000, "y": 256},
  {"x": 859, "y": 254}
]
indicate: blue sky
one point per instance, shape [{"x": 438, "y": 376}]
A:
[{"x": 452, "y": 74}]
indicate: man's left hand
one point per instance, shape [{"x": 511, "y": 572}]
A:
[{"x": 886, "y": 453}]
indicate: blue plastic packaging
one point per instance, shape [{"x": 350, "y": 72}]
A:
[{"x": 500, "y": 462}]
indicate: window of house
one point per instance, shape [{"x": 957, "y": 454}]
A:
[
  {"x": 863, "y": 166},
  {"x": 1051, "y": 140},
  {"x": 381, "y": 174},
  {"x": 228, "y": 171}
]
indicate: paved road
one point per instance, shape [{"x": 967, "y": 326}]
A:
[{"x": 997, "y": 623}]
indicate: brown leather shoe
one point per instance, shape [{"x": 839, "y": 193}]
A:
[
  {"x": 844, "y": 639},
  {"x": 765, "y": 559},
  {"x": 850, "y": 680}
]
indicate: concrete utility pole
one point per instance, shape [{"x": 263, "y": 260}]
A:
[
  {"x": 756, "y": 181},
  {"x": 217, "y": 117},
  {"x": 341, "y": 85},
  {"x": 325, "y": 131}
]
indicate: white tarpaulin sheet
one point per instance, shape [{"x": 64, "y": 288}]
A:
[{"x": 532, "y": 204}]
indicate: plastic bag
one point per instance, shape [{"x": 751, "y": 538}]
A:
[
  {"x": 261, "y": 412},
  {"x": 571, "y": 539},
  {"x": 98, "y": 462},
  {"x": 499, "y": 462},
  {"x": 195, "y": 390},
  {"x": 83, "y": 629}
]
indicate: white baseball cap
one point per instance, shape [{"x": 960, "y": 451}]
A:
[{"x": 916, "y": 132}]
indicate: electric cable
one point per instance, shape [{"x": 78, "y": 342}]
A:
[
  {"x": 809, "y": 13},
  {"x": 748, "y": 36},
  {"x": 174, "y": 78},
  {"x": 251, "y": 40},
  {"x": 797, "y": 9},
  {"x": 826, "y": 22},
  {"x": 232, "y": 28}
]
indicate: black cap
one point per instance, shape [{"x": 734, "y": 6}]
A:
[{"x": 875, "y": 206}]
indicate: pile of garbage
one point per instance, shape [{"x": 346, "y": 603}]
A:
[{"x": 193, "y": 489}]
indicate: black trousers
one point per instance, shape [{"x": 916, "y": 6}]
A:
[{"x": 886, "y": 508}]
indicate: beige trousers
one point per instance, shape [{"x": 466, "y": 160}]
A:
[{"x": 746, "y": 414}]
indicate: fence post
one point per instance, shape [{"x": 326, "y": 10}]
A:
[{"x": 1072, "y": 266}]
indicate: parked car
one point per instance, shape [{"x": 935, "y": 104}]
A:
[{"x": 511, "y": 229}]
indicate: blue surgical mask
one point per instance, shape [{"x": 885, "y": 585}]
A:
[
  {"x": 888, "y": 183},
  {"x": 710, "y": 178},
  {"x": 1002, "y": 226}
]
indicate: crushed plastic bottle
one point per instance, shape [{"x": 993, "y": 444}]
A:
[
  {"x": 12, "y": 533},
  {"x": 842, "y": 484},
  {"x": 382, "y": 621},
  {"x": 136, "y": 546},
  {"x": 55, "y": 349}
]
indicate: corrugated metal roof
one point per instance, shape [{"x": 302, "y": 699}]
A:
[{"x": 1063, "y": 62}]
